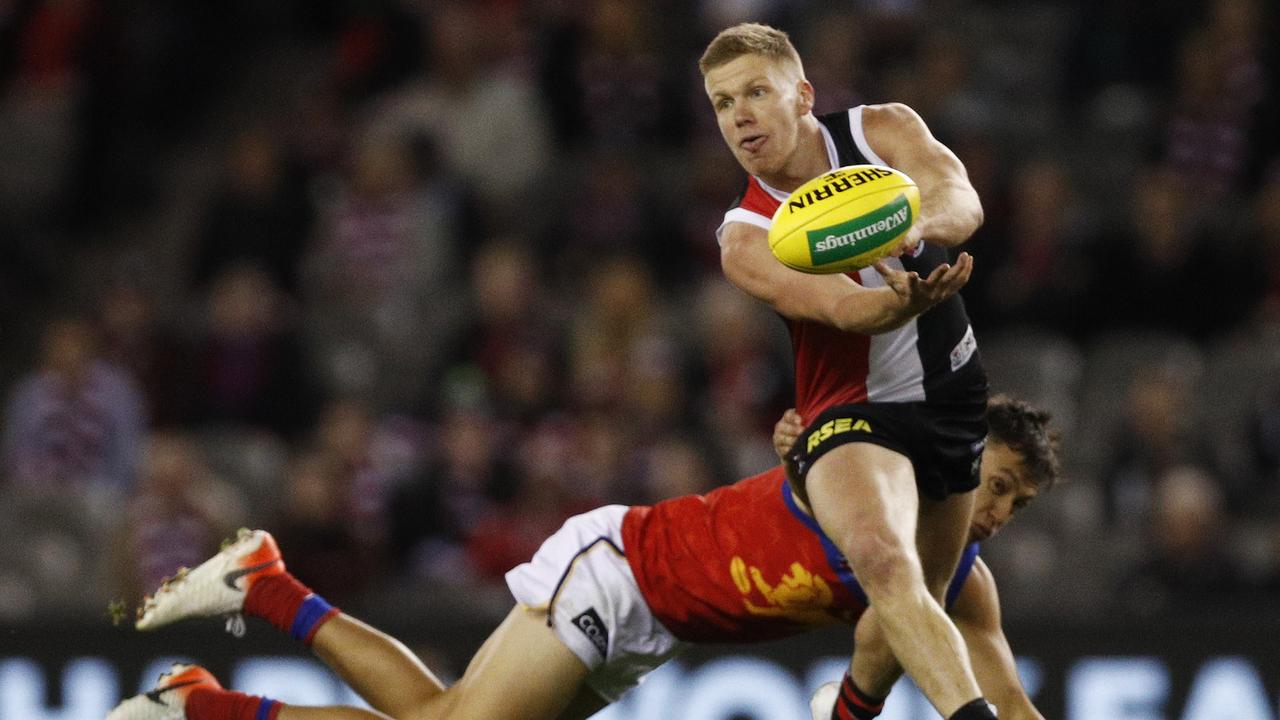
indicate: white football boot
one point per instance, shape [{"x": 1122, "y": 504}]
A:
[
  {"x": 168, "y": 701},
  {"x": 823, "y": 702},
  {"x": 217, "y": 587}
]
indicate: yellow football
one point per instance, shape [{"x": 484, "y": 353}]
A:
[{"x": 844, "y": 220}]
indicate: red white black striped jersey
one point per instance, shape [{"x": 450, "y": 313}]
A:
[{"x": 934, "y": 358}]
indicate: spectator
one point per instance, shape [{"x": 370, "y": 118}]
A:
[
  {"x": 490, "y": 123},
  {"x": 347, "y": 433},
  {"x": 1263, "y": 437},
  {"x": 432, "y": 515},
  {"x": 673, "y": 466},
  {"x": 1187, "y": 563},
  {"x": 1155, "y": 270},
  {"x": 137, "y": 341},
  {"x": 744, "y": 376},
  {"x": 511, "y": 334},
  {"x": 315, "y": 530},
  {"x": 259, "y": 214},
  {"x": 621, "y": 312},
  {"x": 382, "y": 276},
  {"x": 1221, "y": 83},
  {"x": 176, "y": 517},
  {"x": 510, "y": 533},
  {"x": 1156, "y": 436},
  {"x": 1040, "y": 277},
  {"x": 1262, "y": 282},
  {"x": 625, "y": 94},
  {"x": 76, "y": 420},
  {"x": 250, "y": 368}
]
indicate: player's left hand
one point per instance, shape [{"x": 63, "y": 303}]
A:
[
  {"x": 786, "y": 432},
  {"x": 919, "y": 294}
]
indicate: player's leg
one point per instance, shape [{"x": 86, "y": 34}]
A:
[
  {"x": 865, "y": 499},
  {"x": 866, "y": 685},
  {"x": 189, "y": 692},
  {"x": 248, "y": 576},
  {"x": 522, "y": 670},
  {"x": 375, "y": 665},
  {"x": 941, "y": 535}
]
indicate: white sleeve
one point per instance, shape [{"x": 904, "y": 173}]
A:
[{"x": 743, "y": 215}]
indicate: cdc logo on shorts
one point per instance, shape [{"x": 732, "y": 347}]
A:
[{"x": 592, "y": 626}]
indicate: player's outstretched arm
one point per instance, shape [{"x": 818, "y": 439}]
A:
[
  {"x": 833, "y": 300},
  {"x": 950, "y": 210},
  {"x": 976, "y": 613}
]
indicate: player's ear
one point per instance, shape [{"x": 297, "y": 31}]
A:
[{"x": 804, "y": 94}]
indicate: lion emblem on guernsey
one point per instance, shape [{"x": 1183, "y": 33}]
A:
[{"x": 799, "y": 594}]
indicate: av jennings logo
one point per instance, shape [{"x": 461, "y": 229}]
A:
[{"x": 861, "y": 234}]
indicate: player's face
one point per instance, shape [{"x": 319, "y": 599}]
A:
[
  {"x": 1006, "y": 488},
  {"x": 758, "y": 103}
]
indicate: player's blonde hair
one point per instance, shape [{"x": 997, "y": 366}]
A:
[{"x": 749, "y": 39}]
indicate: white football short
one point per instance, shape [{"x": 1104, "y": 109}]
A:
[{"x": 581, "y": 576}]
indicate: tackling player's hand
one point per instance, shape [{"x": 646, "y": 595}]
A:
[
  {"x": 785, "y": 433},
  {"x": 919, "y": 294}
]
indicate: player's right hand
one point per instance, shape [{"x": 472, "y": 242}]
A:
[
  {"x": 910, "y": 244},
  {"x": 917, "y": 294}
]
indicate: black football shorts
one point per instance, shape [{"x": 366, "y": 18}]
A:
[{"x": 943, "y": 442}]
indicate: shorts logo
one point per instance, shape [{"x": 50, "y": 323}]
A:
[
  {"x": 592, "y": 626},
  {"x": 835, "y": 427}
]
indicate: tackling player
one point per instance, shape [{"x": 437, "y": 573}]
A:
[
  {"x": 887, "y": 369},
  {"x": 612, "y": 595}
]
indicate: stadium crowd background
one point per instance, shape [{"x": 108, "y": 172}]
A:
[{"x": 409, "y": 283}]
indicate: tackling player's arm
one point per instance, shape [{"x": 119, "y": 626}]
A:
[
  {"x": 950, "y": 210},
  {"x": 833, "y": 300},
  {"x": 976, "y": 613}
]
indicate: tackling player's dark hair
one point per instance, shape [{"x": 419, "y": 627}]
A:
[{"x": 1025, "y": 428}]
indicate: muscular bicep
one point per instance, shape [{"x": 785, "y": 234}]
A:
[
  {"x": 976, "y": 614},
  {"x": 948, "y": 203},
  {"x": 834, "y": 300}
]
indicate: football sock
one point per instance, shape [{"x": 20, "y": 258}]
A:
[
  {"x": 854, "y": 704},
  {"x": 288, "y": 605},
  {"x": 210, "y": 704},
  {"x": 977, "y": 709}
]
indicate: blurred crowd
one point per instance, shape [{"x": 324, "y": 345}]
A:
[{"x": 410, "y": 282}]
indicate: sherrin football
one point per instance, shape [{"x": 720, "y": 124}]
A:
[{"x": 844, "y": 220}]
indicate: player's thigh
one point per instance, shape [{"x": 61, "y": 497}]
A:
[
  {"x": 523, "y": 670},
  {"x": 864, "y": 489},
  {"x": 941, "y": 535}
]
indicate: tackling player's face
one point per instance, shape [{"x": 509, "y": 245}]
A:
[
  {"x": 1006, "y": 488},
  {"x": 758, "y": 103}
]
